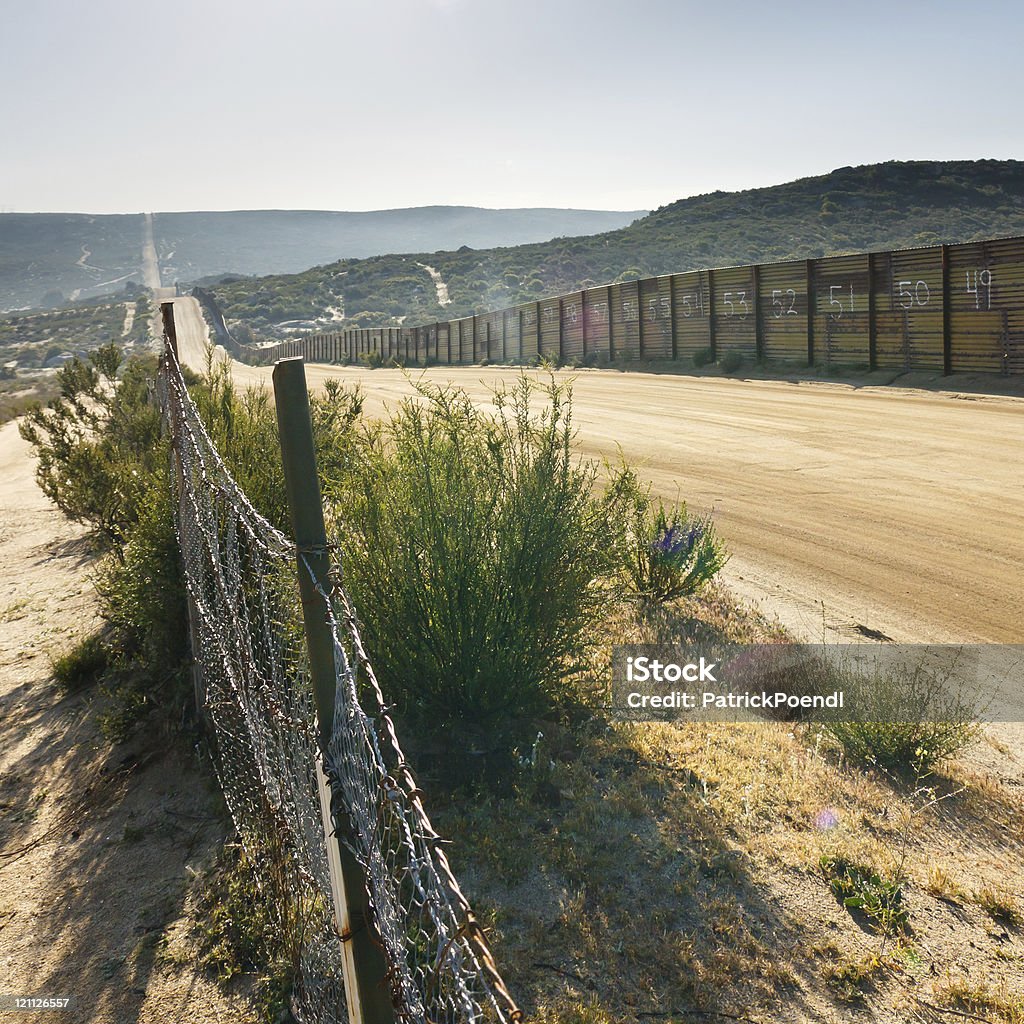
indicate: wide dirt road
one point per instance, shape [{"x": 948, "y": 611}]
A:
[{"x": 894, "y": 510}]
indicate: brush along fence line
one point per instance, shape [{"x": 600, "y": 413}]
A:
[
  {"x": 376, "y": 875},
  {"x": 940, "y": 308}
]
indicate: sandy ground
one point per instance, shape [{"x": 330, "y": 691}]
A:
[{"x": 96, "y": 843}]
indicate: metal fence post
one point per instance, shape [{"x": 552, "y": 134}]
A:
[{"x": 365, "y": 968}]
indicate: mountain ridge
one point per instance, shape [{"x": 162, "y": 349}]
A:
[{"x": 49, "y": 258}]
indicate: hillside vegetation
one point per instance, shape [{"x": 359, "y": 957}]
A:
[
  {"x": 881, "y": 206},
  {"x": 34, "y": 344}
]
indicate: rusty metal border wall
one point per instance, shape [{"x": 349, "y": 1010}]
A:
[{"x": 939, "y": 308}]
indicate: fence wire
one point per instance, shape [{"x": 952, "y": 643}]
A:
[{"x": 241, "y": 577}]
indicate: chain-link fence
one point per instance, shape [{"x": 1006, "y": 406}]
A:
[{"x": 249, "y": 650}]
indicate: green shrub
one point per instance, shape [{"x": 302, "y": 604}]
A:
[
  {"x": 372, "y": 360},
  {"x": 103, "y": 461},
  {"x": 142, "y": 590},
  {"x": 730, "y": 362},
  {"x": 915, "y": 718},
  {"x": 702, "y": 357},
  {"x": 83, "y": 665},
  {"x": 661, "y": 554},
  {"x": 863, "y": 889},
  {"x": 474, "y": 552},
  {"x": 99, "y": 443},
  {"x": 243, "y": 428}
]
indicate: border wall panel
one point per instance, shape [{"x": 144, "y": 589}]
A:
[
  {"x": 842, "y": 304},
  {"x": 692, "y": 309},
  {"x": 783, "y": 306},
  {"x": 1007, "y": 259},
  {"x": 986, "y": 292},
  {"x": 513, "y": 349},
  {"x": 496, "y": 342},
  {"x": 891, "y": 351},
  {"x": 550, "y": 328},
  {"x": 595, "y": 317},
  {"x": 530, "y": 331},
  {"x": 625, "y": 320},
  {"x": 572, "y": 326},
  {"x": 461, "y": 340},
  {"x": 472, "y": 342},
  {"x": 656, "y": 310},
  {"x": 919, "y": 290},
  {"x": 733, "y": 307}
]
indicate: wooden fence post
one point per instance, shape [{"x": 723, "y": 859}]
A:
[{"x": 365, "y": 969}]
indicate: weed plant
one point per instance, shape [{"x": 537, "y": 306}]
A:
[
  {"x": 914, "y": 717},
  {"x": 662, "y": 554},
  {"x": 862, "y": 889},
  {"x": 83, "y": 665}
]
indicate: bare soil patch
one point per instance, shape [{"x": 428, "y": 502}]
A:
[{"x": 98, "y": 843}]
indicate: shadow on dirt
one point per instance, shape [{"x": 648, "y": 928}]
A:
[{"x": 97, "y": 841}]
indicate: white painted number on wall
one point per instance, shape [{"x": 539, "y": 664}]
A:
[
  {"x": 919, "y": 296},
  {"x": 783, "y": 306},
  {"x": 658, "y": 308},
  {"x": 730, "y": 306},
  {"x": 836, "y": 296},
  {"x": 693, "y": 303},
  {"x": 976, "y": 281},
  {"x": 570, "y": 312}
]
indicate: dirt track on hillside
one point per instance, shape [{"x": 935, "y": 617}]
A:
[{"x": 895, "y": 510}]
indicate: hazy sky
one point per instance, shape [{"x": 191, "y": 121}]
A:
[{"x": 129, "y": 105}]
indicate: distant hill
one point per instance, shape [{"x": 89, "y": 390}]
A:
[
  {"x": 880, "y": 206},
  {"x": 47, "y": 258},
  {"x": 196, "y": 245}
]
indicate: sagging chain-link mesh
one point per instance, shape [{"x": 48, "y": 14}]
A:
[{"x": 241, "y": 577}]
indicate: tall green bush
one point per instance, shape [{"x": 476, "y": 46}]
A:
[
  {"x": 103, "y": 461},
  {"x": 98, "y": 443},
  {"x": 474, "y": 555}
]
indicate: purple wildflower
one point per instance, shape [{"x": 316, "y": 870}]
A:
[
  {"x": 826, "y": 819},
  {"x": 675, "y": 544}
]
